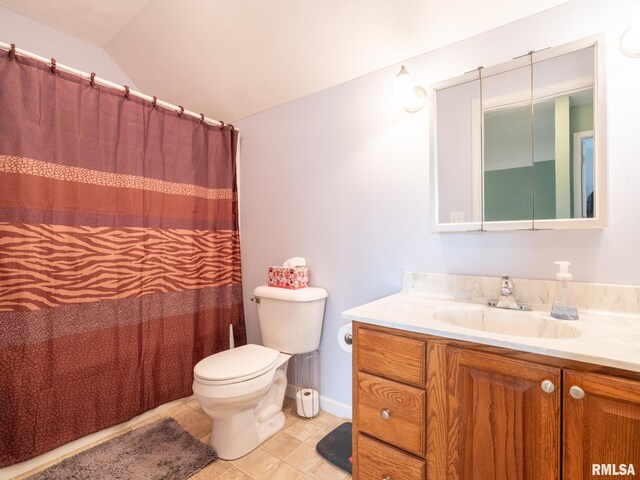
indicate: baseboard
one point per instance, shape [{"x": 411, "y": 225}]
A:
[{"x": 327, "y": 404}]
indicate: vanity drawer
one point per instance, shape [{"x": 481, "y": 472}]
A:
[
  {"x": 392, "y": 412},
  {"x": 376, "y": 460},
  {"x": 391, "y": 356}
]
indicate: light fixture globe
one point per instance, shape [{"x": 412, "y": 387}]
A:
[{"x": 406, "y": 93}]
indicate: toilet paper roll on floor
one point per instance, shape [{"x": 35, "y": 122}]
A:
[
  {"x": 342, "y": 337},
  {"x": 307, "y": 402}
]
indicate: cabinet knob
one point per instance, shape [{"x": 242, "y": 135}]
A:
[
  {"x": 386, "y": 477},
  {"x": 385, "y": 414},
  {"x": 547, "y": 386},
  {"x": 576, "y": 392}
]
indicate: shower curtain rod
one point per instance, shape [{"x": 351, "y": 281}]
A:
[{"x": 106, "y": 83}]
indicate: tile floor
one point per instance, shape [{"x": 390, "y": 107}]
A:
[{"x": 288, "y": 455}]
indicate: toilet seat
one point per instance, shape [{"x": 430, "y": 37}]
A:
[{"x": 236, "y": 365}]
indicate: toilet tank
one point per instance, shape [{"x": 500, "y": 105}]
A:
[{"x": 290, "y": 320}]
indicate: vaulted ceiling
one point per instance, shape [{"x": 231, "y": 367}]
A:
[{"x": 233, "y": 58}]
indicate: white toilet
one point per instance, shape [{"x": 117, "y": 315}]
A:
[{"x": 242, "y": 389}]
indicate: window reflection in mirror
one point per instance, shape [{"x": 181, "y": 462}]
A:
[
  {"x": 507, "y": 131},
  {"x": 563, "y": 134},
  {"x": 558, "y": 166}
]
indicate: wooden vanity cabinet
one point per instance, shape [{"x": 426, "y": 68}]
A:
[
  {"x": 488, "y": 417},
  {"x": 389, "y": 405},
  {"x": 601, "y": 424},
  {"x": 431, "y": 408}
]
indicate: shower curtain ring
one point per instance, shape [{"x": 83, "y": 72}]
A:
[
  {"x": 54, "y": 68},
  {"x": 181, "y": 110},
  {"x": 202, "y": 118},
  {"x": 222, "y": 124},
  {"x": 12, "y": 52},
  {"x": 126, "y": 91},
  {"x": 155, "y": 100},
  {"x": 92, "y": 80}
]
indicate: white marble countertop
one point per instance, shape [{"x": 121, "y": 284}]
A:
[{"x": 610, "y": 339}]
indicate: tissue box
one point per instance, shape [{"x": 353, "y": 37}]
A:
[{"x": 284, "y": 277}]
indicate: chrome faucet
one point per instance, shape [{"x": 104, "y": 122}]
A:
[{"x": 507, "y": 297}]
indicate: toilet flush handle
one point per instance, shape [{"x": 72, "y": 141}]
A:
[{"x": 255, "y": 299}]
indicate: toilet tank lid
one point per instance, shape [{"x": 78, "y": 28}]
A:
[
  {"x": 306, "y": 294},
  {"x": 237, "y": 363}
]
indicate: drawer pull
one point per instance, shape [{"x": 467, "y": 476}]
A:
[
  {"x": 385, "y": 414},
  {"x": 547, "y": 386},
  {"x": 576, "y": 392}
]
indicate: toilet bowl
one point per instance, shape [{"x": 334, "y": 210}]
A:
[{"x": 242, "y": 389}]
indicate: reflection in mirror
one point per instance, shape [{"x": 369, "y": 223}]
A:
[
  {"x": 563, "y": 98},
  {"x": 507, "y": 131},
  {"x": 456, "y": 154},
  {"x": 560, "y": 121},
  {"x": 522, "y": 145}
]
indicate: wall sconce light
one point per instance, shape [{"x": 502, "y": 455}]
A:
[
  {"x": 630, "y": 40},
  {"x": 407, "y": 94}
]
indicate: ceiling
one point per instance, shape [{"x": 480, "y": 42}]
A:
[{"x": 233, "y": 58}]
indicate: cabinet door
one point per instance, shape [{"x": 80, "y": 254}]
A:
[
  {"x": 601, "y": 422},
  {"x": 488, "y": 417}
]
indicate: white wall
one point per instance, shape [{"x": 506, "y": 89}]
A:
[
  {"x": 341, "y": 178},
  {"x": 48, "y": 42}
]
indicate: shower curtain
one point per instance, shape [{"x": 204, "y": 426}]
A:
[{"x": 119, "y": 255}]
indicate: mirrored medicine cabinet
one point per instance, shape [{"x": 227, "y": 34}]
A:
[{"x": 521, "y": 145}]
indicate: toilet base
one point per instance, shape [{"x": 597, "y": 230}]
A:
[
  {"x": 246, "y": 434},
  {"x": 235, "y": 435}
]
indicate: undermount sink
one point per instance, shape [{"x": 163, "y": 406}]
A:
[{"x": 506, "y": 322}]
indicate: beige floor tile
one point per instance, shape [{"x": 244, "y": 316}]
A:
[
  {"x": 302, "y": 429},
  {"x": 304, "y": 458},
  {"x": 234, "y": 474},
  {"x": 193, "y": 404},
  {"x": 281, "y": 444},
  {"x": 325, "y": 471},
  {"x": 313, "y": 440},
  {"x": 256, "y": 463},
  {"x": 323, "y": 419},
  {"x": 213, "y": 470},
  {"x": 207, "y": 438},
  {"x": 195, "y": 423},
  {"x": 282, "y": 471},
  {"x": 328, "y": 421},
  {"x": 290, "y": 419},
  {"x": 177, "y": 410}
]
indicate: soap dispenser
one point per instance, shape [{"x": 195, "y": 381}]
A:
[{"x": 564, "y": 305}]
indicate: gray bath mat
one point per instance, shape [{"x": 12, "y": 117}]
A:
[
  {"x": 336, "y": 447},
  {"x": 160, "y": 450}
]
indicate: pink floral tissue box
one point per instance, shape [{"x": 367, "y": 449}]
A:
[{"x": 293, "y": 278}]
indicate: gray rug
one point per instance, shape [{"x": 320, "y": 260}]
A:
[{"x": 160, "y": 450}]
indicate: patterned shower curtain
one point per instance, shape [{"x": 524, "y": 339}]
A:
[{"x": 119, "y": 255}]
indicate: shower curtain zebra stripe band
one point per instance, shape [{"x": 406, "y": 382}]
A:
[{"x": 119, "y": 255}]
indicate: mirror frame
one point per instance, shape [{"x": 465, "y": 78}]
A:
[{"x": 600, "y": 135}]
